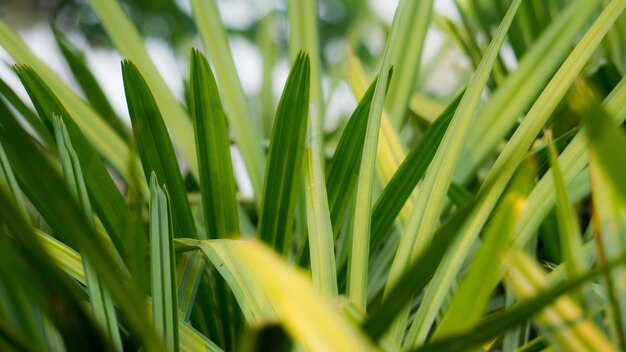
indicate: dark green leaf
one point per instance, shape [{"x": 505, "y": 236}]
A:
[
  {"x": 408, "y": 175},
  {"x": 104, "y": 194},
  {"x": 163, "y": 265},
  {"x": 155, "y": 148},
  {"x": 55, "y": 202},
  {"x": 284, "y": 164},
  {"x": 217, "y": 182}
]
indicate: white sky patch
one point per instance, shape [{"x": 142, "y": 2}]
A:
[
  {"x": 248, "y": 64},
  {"x": 165, "y": 62},
  {"x": 107, "y": 68},
  {"x": 279, "y": 78},
  {"x": 341, "y": 105}
]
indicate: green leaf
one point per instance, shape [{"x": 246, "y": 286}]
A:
[
  {"x": 341, "y": 179},
  {"x": 101, "y": 136},
  {"x": 562, "y": 320},
  {"x": 311, "y": 319},
  {"x": 472, "y": 296},
  {"x": 513, "y": 154},
  {"x": 9, "y": 183},
  {"x": 500, "y": 112},
  {"x": 398, "y": 190},
  {"x": 103, "y": 192},
  {"x": 572, "y": 161},
  {"x": 70, "y": 262},
  {"x": 189, "y": 272},
  {"x": 27, "y": 113},
  {"x": 59, "y": 209},
  {"x": 417, "y": 274},
  {"x": 284, "y": 164},
  {"x": 11, "y": 339},
  {"x": 217, "y": 182},
  {"x": 427, "y": 209},
  {"x": 570, "y": 237},
  {"x": 89, "y": 85},
  {"x": 125, "y": 37},
  {"x": 100, "y": 298},
  {"x": 215, "y": 39},
  {"x": 413, "y": 23},
  {"x": 303, "y": 35},
  {"x": 359, "y": 253},
  {"x": 155, "y": 148},
  {"x": 48, "y": 288},
  {"x": 497, "y": 323},
  {"x": 163, "y": 267},
  {"x": 321, "y": 238},
  {"x": 606, "y": 169}
]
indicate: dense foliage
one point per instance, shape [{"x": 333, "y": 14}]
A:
[{"x": 489, "y": 217}]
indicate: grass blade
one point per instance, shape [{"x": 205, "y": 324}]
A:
[
  {"x": 70, "y": 262},
  {"x": 341, "y": 179},
  {"x": 284, "y": 162},
  {"x": 508, "y": 161},
  {"x": 609, "y": 200},
  {"x": 406, "y": 178},
  {"x": 359, "y": 255},
  {"x": 189, "y": 271},
  {"x": 64, "y": 215},
  {"x": 563, "y": 320},
  {"x": 102, "y": 137},
  {"x": 103, "y": 192},
  {"x": 217, "y": 182},
  {"x": 497, "y": 323},
  {"x": 302, "y": 15},
  {"x": 412, "y": 27},
  {"x": 500, "y": 112},
  {"x": 570, "y": 237},
  {"x": 49, "y": 288},
  {"x": 308, "y": 317},
  {"x": 472, "y": 297},
  {"x": 572, "y": 161},
  {"x": 163, "y": 273},
  {"x": 240, "y": 117},
  {"x": 155, "y": 148},
  {"x": 415, "y": 278},
  {"x": 436, "y": 181},
  {"x": 321, "y": 238},
  {"x": 125, "y": 37},
  {"x": 100, "y": 298},
  {"x": 27, "y": 113}
]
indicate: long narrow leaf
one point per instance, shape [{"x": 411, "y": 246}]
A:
[
  {"x": 100, "y": 298},
  {"x": 102, "y": 137},
  {"x": 508, "y": 161},
  {"x": 436, "y": 181},
  {"x": 248, "y": 138},
  {"x": 413, "y": 24},
  {"x": 217, "y": 182},
  {"x": 64, "y": 215},
  {"x": 309, "y": 317},
  {"x": 125, "y": 37},
  {"x": 155, "y": 147},
  {"x": 162, "y": 260},
  {"x": 284, "y": 164},
  {"x": 103, "y": 192},
  {"x": 497, "y": 323}
]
